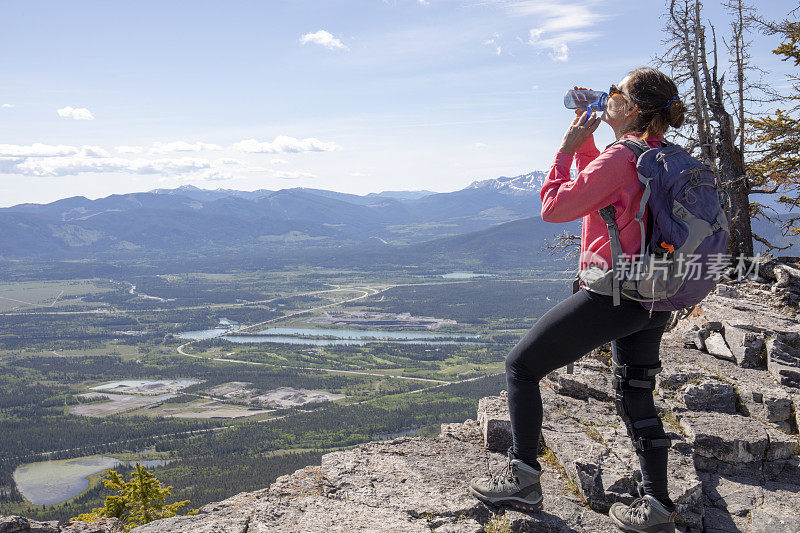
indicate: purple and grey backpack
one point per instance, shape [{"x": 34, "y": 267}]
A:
[{"x": 682, "y": 254}]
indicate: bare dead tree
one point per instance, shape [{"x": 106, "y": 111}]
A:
[
  {"x": 695, "y": 67},
  {"x": 565, "y": 246}
]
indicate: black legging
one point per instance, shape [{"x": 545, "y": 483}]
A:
[{"x": 569, "y": 330}]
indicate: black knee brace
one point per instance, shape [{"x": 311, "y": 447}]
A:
[{"x": 627, "y": 379}]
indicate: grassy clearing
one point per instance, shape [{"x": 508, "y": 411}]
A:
[{"x": 28, "y": 295}]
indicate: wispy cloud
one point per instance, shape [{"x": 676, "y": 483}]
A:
[
  {"x": 47, "y": 160},
  {"x": 36, "y": 150},
  {"x": 76, "y": 113},
  {"x": 494, "y": 43},
  {"x": 182, "y": 146},
  {"x": 284, "y": 144},
  {"x": 292, "y": 175},
  {"x": 559, "y": 23},
  {"x": 481, "y": 146},
  {"x": 323, "y": 38},
  {"x": 7, "y": 106}
]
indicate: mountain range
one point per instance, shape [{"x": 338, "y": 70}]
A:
[
  {"x": 190, "y": 218},
  {"x": 488, "y": 219}
]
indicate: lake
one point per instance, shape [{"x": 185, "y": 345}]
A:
[
  {"x": 242, "y": 339},
  {"x": 464, "y": 275},
  {"x": 348, "y": 337},
  {"x": 344, "y": 337},
  {"x": 51, "y": 482},
  {"x": 363, "y": 333},
  {"x": 200, "y": 335}
]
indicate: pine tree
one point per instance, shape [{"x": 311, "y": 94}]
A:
[
  {"x": 136, "y": 502},
  {"x": 777, "y": 168}
]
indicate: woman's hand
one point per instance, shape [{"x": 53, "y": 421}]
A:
[{"x": 579, "y": 131}]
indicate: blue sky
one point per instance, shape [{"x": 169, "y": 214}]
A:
[{"x": 353, "y": 96}]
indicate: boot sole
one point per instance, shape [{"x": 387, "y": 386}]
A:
[{"x": 516, "y": 503}]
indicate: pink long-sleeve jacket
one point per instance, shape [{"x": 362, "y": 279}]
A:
[{"x": 604, "y": 178}]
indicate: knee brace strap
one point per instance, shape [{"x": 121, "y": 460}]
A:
[
  {"x": 629, "y": 377},
  {"x": 644, "y": 444}
]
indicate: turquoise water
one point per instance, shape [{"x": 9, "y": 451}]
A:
[
  {"x": 201, "y": 335},
  {"x": 344, "y": 337},
  {"x": 51, "y": 482},
  {"x": 209, "y": 333},
  {"x": 464, "y": 275},
  {"x": 362, "y": 333},
  {"x": 241, "y": 339}
]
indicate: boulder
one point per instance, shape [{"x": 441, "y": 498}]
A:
[
  {"x": 695, "y": 338},
  {"x": 770, "y": 403},
  {"x": 495, "y": 423},
  {"x": 781, "y": 445},
  {"x": 783, "y": 362},
  {"x": 675, "y": 376},
  {"x": 103, "y": 525},
  {"x": 584, "y": 385},
  {"x": 725, "y": 437},
  {"x": 716, "y": 346},
  {"x": 747, "y": 345},
  {"x": 713, "y": 325},
  {"x": 709, "y": 395},
  {"x": 600, "y": 476},
  {"x": 467, "y": 431},
  {"x": 19, "y": 524},
  {"x": 726, "y": 291}
]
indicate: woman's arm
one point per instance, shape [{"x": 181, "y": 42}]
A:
[{"x": 595, "y": 186}]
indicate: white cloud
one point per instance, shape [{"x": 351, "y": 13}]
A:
[
  {"x": 7, "y": 106},
  {"x": 124, "y": 149},
  {"x": 77, "y": 113},
  {"x": 561, "y": 23},
  {"x": 36, "y": 150},
  {"x": 284, "y": 144},
  {"x": 292, "y": 175},
  {"x": 43, "y": 160},
  {"x": 323, "y": 38},
  {"x": 182, "y": 146},
  {"x": 81, "y": 163},
  {"x": 278, "y": 161},
  {"x": 493, "y": 42},
  {"x": 480, "y": 146},
  {"x": 94, "y": 151},
  {"x": 424, "y": 2}
]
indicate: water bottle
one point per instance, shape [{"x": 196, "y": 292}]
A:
[{"x": 585, "y": 99}]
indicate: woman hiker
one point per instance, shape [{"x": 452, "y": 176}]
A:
[{"x": 643, "y": 105}]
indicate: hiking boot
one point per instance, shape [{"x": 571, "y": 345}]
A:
[
  {"x": 516, "y": 485},
  {"x": 643, "y": 515}
]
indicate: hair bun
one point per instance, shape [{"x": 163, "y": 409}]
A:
[{"x": 676, "y": 113}]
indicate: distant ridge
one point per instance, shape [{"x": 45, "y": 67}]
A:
[{"x": 191, "y": 220}]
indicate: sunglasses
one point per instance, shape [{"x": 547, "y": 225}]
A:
[{"x": 614, "y": 90}]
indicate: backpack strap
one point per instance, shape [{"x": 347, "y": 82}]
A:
[
  {"x": 616, "y": 248},
  {"x": 608, "y": 214},
  {"x": 639, "y": 147}
]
